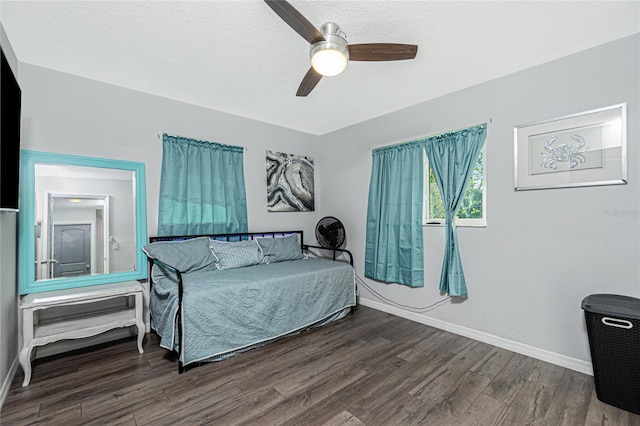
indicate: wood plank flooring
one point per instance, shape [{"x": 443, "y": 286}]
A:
[{"x": 370, "y": 368}]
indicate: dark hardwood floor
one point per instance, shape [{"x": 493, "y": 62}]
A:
[{"x": 370, "y": 368}]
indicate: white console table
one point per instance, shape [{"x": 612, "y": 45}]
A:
[{"x": 77, "y": 327}]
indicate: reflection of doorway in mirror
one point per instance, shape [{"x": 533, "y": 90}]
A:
[
  {"x": 71, "y": 250},
  {"x": 82, "y": 184},
  {"x": 77, "y": 236}
]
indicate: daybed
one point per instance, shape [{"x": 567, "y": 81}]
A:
[{"x": 214, "y": 296}]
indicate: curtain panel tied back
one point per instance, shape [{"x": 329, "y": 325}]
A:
[
  {"x": 452, "y": 157},
  {"x": 202, "y": 188},
  {"x": 394, "y": 240},
  {"x": 394, "y": 216}
]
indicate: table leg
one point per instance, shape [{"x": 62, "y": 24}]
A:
[
  {"x": 27, "y": 345},
  {"x": 140, "y": 321},
  {"x": 25, "y": 362}
]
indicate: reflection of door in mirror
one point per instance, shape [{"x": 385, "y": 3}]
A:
[
  {"x": 76, "y": 236},
  {"x": 82, "y": 230},
  {"x": 71, "y": 250}
]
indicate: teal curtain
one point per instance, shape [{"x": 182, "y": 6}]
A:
[
  {"x": 394, "y": 251},
  {"x": 452, "y": 157},
  {"x": 202, "y": 188}
]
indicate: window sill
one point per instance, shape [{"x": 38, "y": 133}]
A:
[{"x": 475, "y": 224}]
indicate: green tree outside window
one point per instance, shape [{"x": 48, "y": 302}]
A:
[{"x": 471, "y": 207}]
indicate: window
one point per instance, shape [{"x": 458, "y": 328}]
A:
[{"x": 473, "y": 209}]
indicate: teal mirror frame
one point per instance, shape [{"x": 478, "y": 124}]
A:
[{"x": 26, "y": 227}]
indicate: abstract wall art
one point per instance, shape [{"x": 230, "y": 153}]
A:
[{"x": 289, "y": 183}]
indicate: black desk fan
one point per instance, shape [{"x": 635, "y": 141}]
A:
[{"x": 330, "y": 234}]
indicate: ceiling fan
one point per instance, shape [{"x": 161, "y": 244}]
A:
[{"x": 330, "y": 51}]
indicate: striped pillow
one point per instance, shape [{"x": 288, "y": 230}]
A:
[{"x": 236, "y": 254}]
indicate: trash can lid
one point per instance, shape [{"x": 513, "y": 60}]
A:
[{"x": 612, "y": 304}]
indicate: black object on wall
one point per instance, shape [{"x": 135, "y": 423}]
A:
[{"x": 9, "y": 137}]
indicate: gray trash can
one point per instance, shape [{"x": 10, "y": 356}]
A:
[{"x": 613, "y": 325}]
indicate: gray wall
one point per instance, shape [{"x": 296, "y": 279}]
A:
[
  {"x": 542, "y": 251},
  {"x": 8, "y": 282},
  {"x": 71, "y": 115},
  {"x": 8, "y": 299}
]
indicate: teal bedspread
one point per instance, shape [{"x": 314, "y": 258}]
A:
[{"x": 228, "y": 311}]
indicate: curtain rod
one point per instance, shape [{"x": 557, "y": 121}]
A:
[
  {"x": 371, "y": 148},
  {"x": 186, "y": 137}
]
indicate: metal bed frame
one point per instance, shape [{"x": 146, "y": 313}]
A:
[{"x": 244, "y": 236}]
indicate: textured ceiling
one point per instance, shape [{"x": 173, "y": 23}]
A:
[{"x": 240, "y": 57}]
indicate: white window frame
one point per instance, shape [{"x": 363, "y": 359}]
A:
[{"x": 473, "y": 223}]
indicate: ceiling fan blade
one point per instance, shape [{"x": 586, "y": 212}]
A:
[
  {"x": 299, "y": 23},
  {"x": 382, "y": 52},
  {"x": 309, "y": 81}
]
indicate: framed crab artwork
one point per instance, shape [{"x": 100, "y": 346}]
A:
[{"x": 584, "y": 149}]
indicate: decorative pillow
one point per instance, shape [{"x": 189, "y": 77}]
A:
[
  {"x": 236, "y": 254},
  {"x": 281, "y": 249},
  {"x": 159, "y": 272},
  {"x": 185, "y": 256}
]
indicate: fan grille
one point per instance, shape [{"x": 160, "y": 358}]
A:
[{"x": 330, "y": 232}]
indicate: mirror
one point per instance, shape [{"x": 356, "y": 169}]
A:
[{"x": 82, "y": 221}]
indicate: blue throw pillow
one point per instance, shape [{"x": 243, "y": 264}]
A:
[
  {"x": 186, "y": 256},
  {"x": 281, "y": 249},
  {"x": 236, "y": 254}
]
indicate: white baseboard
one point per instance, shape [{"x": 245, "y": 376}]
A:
[
  {"x": 521, "y": 348},
  {"x": 6, "y": 384}
]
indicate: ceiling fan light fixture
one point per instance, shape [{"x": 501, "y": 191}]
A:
[
  {"x": 330, "y": 56},
  {"x": 329, "y": 62}
]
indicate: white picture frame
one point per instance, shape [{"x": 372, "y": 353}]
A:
[{"x": 584, "y": 149}]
